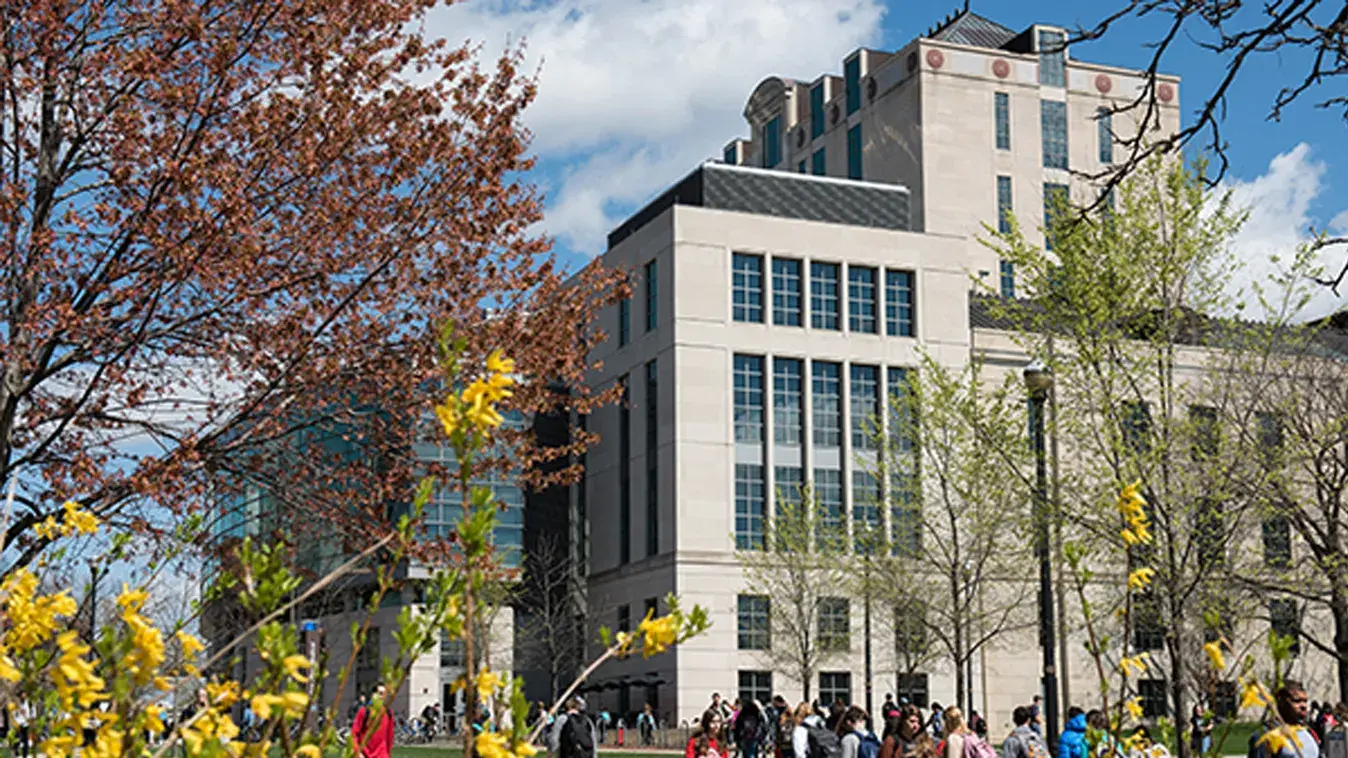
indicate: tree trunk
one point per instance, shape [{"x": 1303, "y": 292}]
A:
[
  {"x": 1338, "y": 606},
  {"x": 1177, "y": 698}
]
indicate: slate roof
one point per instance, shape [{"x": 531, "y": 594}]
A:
[
  {"x": 779, "y": 193},
  {"x": 968, "y": 28}
]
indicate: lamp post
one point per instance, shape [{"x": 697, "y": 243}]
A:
[{"x": 1039, "y": 382}]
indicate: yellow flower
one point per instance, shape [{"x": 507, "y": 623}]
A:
[
  {"x": 131, "y": 601},
  {"x": 73, "y": 677},
  {"x": 487, "y": 682},
  {"x": 492, "y": 745},
  {"x": 524, "y": 750},
  {"x": 147, "y": 647},
  {"x": 498, "y": 364},
  {"x": 32, "y": 617},
  {"x": 262, "y": 705},
  {"x": 108, "y": 744},
  {"x": 1137, "y": 662},
  {"x": 154, "y": 718},
  {"x": 294, "y": 703},
  {"x": 7, "y": 670},
  {"x": 1214, "y": 651},
  {"x": 223, "y": 694},
  {"x": 449, "y": 417},
  {"x": 78, "y": 520},
  {"x": 58, "y": 746},
  {"x": 1277, "y": 738},
  {"x": 293, "y": 664},
  {"x": 190, "y": 645},
  {"x": 309, "y": 751},
  {"x": 659, "y": 634},
  {"x": 1254, "y": 694},
  {"x": 1140, "y": 579},
  {"x": 47, "y": 529},
  {"x": 1134, "y": 706}
]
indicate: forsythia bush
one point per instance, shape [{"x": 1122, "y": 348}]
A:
[{"x": 108, "y": 691}]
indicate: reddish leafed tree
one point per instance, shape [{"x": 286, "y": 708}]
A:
[{"x": 230, "y": 229}]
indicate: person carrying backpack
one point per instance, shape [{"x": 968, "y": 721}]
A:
[
  {"x": 1072, "y": 744},
  {"x": 812, "y": 739},
  {"x": 960, "y": 741},
  {"x": 852, "y": 733},
  {"x": 577, "y": 737},
  {"x": 1023, "y": 741}
]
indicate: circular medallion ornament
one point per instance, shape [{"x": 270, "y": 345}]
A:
[
  {"x": 912, "y": 62},
  {"x": 935, "y": 58},
  {"x": 1103, "y": 83},
  {"x": 1001, "y": 68},
  {"x": 1166, "y": 92}
]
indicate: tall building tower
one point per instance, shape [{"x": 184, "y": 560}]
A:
[{"x": 780, "y": 296}]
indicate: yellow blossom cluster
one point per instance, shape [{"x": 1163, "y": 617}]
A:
[
  {"x": 147, "y": 643},
  {"x": 1214, "y": 651},
  {"x": 1140, "y": 579},
  {"x": 1129, "y": 664},
  {"x": 657, "y": 634},
  {"x": 1134, "y": 510},
  {"x": 475, "y": 407},
  {"x": 497, "y": 745},
  {"x": 33, "y": 618},
  {"x": 289, "y": 705},
  {"x": 75, "y": 520}
]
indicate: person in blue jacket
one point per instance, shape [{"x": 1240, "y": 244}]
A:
[{"x": 1072, "y": 744}]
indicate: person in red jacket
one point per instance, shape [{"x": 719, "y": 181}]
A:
[
  {"x": 374, "y": 741},
  {"x": 711, "y": 726}
]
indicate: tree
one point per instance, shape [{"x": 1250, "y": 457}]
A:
[
  {"x": 955, "y": 455},
  {"x": 550, "y": 630},
  {"x": 1150, "y": 387},
  {"x": 799, "y": 578},
  {"x": 225, "y": 224},
  {"x": 1307, "y": 38}
]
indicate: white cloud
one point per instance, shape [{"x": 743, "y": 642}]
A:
[
  {"x": 634, "y": 93},
  {"x": 1279, "y": 203}
]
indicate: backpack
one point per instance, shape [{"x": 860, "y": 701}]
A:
[
  {"x": 823, "y": 743},
  {"x": 576, "y": 738},
  {"x": 1034, "y": 748},
  {"x": 869, "y": 747},
  {"x": 974, "y": 747}
]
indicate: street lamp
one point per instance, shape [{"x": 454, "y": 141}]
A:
[{"x": 1039, "y": 382}]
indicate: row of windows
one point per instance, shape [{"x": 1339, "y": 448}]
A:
[
  {"x": 864, "y": 290},
  {"x": 1053, "y": 123},
  {"x": 833, "y": 624},
  {"x": 651, "y": 400},
  {"x": 788, "y": 401},
  {"x": 834, "y": 687},
  {"x": 651, "y": 287}
]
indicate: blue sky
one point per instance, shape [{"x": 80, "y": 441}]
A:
[{"x": 634, "y": 93}]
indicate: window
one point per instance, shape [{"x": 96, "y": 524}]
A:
[
  {"x": 1055, "y": 201},
  {"x": 862, "y": 309},
  {"x": 1203, "y": 422},
  {"x": 916, "y": 688},
  {"x": 1001, "y": 106},
  {"x": 1104, "y": 126},
  {"x": 788, "y": 401},
  {"x": 852, "y": 84},
  {"x": 830, "y": 530},
  {"x": 854, "y": 152},
  {"x": 835, "y": 687},
  {"x": 1136, "y": 427},
  {"x": 732, "y": 154},
  {"x": 747, "y": 287},
  {"x": 867, "y": 533},
  {"x": 1052, "y": 60},
  {"x": 835, "y": 624},
  {"x": 748, "y": 506},
  {"x": 1007, "y": 269},
  {"x": 749, "y": 398},
  {"x": 817, "y": 110},
  {"x": 451, "y": 651},
  {"x": 624, "y": 321},
  {"x": 1004, "y": 207},
  {"x": 1210, "y": 528},
  {"x": 1148, "y": 633},
  {"x": 1053, "y": 121},
  {"x": 826, "y": 389},
  {"x": 652, "y": 458},
  {"x": 1270, "y": 439},
  {"x": 772, "y": 142},
  {"x": 824, "y": 296},
  {"x": 1285, "y": 621},
  {"x": 1277, "y": 533},
  {"x": 1223, "y": 700},
  {"x": 790, "y": 480},
  {"x": 753, "y": 622},
  {"x": 865, "y": 410},
  {"x": 652, "y": 607},
  {"x": 786, "y": 292},
  {"x": 898, "y": 303},
  {"x": 800, "y": 167},
  {"x": 625, "y": 473},
  {"x": 652, "y": 295},
  {"x": 756, "y": 685},
  {"x": 910, "y": 628},
  {"x": 624, "y": 618},
  {"x": 818, "y": 166},
  {"x": 1155, "y": 704}
]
